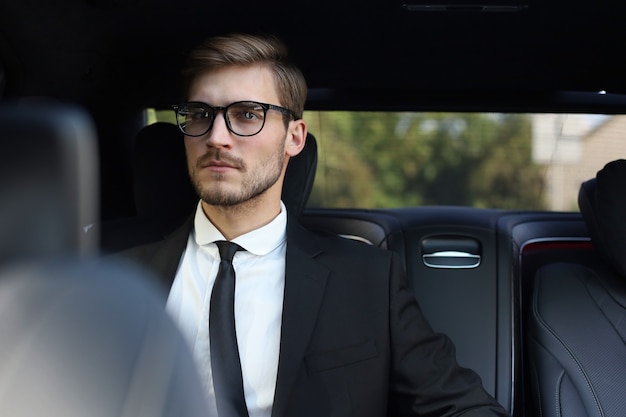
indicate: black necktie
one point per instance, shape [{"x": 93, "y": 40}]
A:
[{"x": 225, "y": 362}]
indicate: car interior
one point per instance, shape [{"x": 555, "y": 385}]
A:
[{"x": 533, "y": 296}]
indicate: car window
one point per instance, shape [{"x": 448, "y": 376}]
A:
[{"x": 495, "y": 160}]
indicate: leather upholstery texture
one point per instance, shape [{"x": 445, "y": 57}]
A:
[{"x": 577, "y": 342}]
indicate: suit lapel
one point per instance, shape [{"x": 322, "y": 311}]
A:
[
  {"x": 166, "y": 255},
  {"x": 305, "y": 281}
]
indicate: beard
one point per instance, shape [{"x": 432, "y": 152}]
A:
[{"x": 255, "y": 182}]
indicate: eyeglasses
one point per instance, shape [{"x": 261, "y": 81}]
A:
[{"x": 243, "y": 118}]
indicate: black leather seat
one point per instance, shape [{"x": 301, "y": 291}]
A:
[
  {"x": 164, "y": 196},
  {"x": 577, "y": 343},
  {"x": 300, "y": 177}
]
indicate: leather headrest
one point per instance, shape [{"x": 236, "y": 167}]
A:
[
  {"x": 162, "y": 188},
  {"x": 299, "y": 178},
  {"x": 602, "y": 202}
]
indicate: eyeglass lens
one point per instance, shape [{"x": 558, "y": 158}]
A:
[{"x": 244, "y": 118}]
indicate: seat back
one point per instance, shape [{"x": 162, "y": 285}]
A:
[
  {"x": 577, "y": 340},
  {"x": 163, "y": 194},
  {"x": 161, "y": 187},
  {"x": 80, "y": 336},
  {"x": 48, "y": 180},
  {"x": 299, "y": 178}
]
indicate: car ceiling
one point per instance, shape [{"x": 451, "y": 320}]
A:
[{"x": 370, "y": 54}]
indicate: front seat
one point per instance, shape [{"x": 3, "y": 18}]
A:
[
  {"x": 87, "y": 337},
  {"x": 577, "y": 341},
  {"x": 79, "y": 335}
]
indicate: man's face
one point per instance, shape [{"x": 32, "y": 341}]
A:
[{"x": 227, "y": 169}]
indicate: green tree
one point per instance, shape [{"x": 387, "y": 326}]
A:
[
  {"x": 507, "y": 177},
  {"x": 376, "y": 159},
  {"x": 343, "y": 178}
]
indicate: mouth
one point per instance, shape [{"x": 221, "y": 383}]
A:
[
  {"x": 217, "y": 167},
  {"x": 217, "y": 163}
]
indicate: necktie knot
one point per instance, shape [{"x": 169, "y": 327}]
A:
[{"x": 227, "y": 249}]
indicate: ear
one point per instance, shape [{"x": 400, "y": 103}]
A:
[{"x": 296, "y": 137}]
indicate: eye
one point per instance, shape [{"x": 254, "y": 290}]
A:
[
  {"x": 246, "y": 112},
  {"x": 249, "y": 115},
  {"x": 194, "y": 113},
  {"x": 200, "y": 115}
]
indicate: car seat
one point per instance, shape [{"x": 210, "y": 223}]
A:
[
  {"x": 164, "y": 196},
  {"x": 300, "y": 177},
  {"x": 81, "y": 336},
  {"x": 577, "y": 325},
  {"x": 48, "y": 168},
  {"x": 91, "y": 338}
]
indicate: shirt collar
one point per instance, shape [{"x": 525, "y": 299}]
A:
[{"x": 260, "y": 241}]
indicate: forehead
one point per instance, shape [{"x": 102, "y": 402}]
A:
[{"x": 225, "y": 85}]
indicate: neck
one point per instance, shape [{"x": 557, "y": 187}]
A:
[{"x": 234, "y": 221}]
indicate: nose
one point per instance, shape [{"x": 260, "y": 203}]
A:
[{"x": 219, "y": 135}]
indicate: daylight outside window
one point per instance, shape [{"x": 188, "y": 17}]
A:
[{"x": 494, "y": 160}]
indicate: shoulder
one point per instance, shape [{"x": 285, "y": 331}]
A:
[
  {"x": 162, "y": 256},
  {"x": 174, "y": 242},
  {"x": 142, "y": 253},
  {"x": 336, "y": 248}
]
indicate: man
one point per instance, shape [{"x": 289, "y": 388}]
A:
[{"x": 324, "y": 326}]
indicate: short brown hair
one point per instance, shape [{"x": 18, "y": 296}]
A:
[{"x": 243, "y": 49}]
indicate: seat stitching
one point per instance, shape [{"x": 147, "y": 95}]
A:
[{"x": 560, "y": 341}]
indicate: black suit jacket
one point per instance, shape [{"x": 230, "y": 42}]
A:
[{"x": 353, "y": 342}]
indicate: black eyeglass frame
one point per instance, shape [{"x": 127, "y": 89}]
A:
[{"x": 215, "y": 109}]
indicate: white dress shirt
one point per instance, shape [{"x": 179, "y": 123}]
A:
[{"x": 260, "y": 283}]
